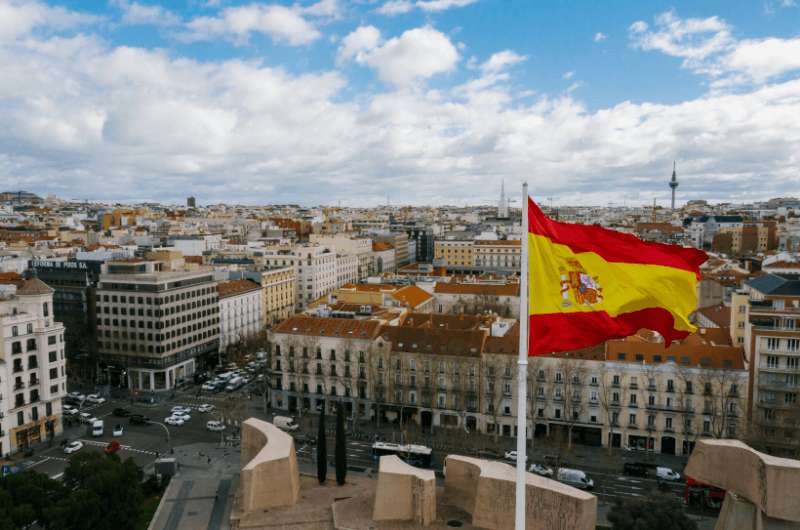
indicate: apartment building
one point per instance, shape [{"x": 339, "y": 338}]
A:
[
  {"x": 32, "y": 374},
  {"x": 475, "y": 298},
  {"x": 279, "y": 294},
  {"x": 347, "y": 267},
  {"x": 455, "y": 253},
  {"x": 315, "y": 360},
  {"x": 155, "y": 328},
  {"x": 347, "y": 245},
  {"x": 314, "y": 267},
  {"x": 498, "y": 255},
  {"x": 383, "y": 258},
  {"x": 772, "y": 343},
  {"x": 240, "y": 311},
  {"x": 400, "y": 242}
]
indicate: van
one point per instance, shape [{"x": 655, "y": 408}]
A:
[
  {"x": 285, "y": 423},
  {"x": 636, "y": 469},
  {"x": 234, "y": 383},
  {"x": 575, "y": 478},
  {"x": 665, "y": 473},
  {"x": 97, "y": 428}
]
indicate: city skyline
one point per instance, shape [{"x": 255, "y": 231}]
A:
[{"x": 427, "y": 102}]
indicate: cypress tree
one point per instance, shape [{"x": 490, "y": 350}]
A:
[
  {"x": 322, "y": 450},
  {"x": 341, "y": 445}
]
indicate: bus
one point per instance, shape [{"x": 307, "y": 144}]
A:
[
  {"x": 415, "y": 455},
  {"x": 701, "y": 494}
]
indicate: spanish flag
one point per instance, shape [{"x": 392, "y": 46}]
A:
[{"x": 588, "y": 284}]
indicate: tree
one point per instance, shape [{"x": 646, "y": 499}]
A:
[
  {"x": 341, "y": 446},
  {"x": 662, "y": 513},
  {"x": 573, "y": 371},
  {"x": 322, "y": 450},
  {"x": 607, "y": 394}
]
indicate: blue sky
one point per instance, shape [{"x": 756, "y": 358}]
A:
[{"x": 428, "y": 101}]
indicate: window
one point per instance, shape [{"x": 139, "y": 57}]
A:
[
  {"x": 772, "y": 361},
  {"x": 14, "y": 331},
  {"x": 632, "y": 419},
  {"x": 51, "y": 340},
  {"x": 773, "y": 343},
  {"x": 20, "y": 418},
  {"x": 668, "y": 424},
  {"x": 651, "y": 420},
  {"x": 632, "y": 400}
]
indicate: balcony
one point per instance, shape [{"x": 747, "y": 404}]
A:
[
  {"x": 33, "y": 382},
  {"x": 18, "y": 368},
  {"x": 615, "y": 384},
  {"x": 652, "y": 388},
  {"x": 18, "y": 386},
  {"x": 634, "y": 386},
  {"x": 669, "y": 429}
]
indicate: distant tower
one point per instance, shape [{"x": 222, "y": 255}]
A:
[
  {"x": 502, "y": 206},
  {"x": 191, "y": 202},
  {"x": 673, "y": 184}
]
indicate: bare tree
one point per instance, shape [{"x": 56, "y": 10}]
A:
[
  {"x": 722, "y": 401},
  {"x": 573, "y": 372},
  {"x": 608, "y": 394}
]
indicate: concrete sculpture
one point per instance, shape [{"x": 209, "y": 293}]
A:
[
  {"x": 269, "y": 476},
  {"x": 404, "y": 493}
]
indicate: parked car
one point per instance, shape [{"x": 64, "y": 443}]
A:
[
  {"x": 210, "y": 386},
  {"x": 138, "y": 419},
  {"x": 205, "y": 407},
  {"x": 112, "y": 447},
  {"x": 511, "y": 456},
  {"x": 541, "y": 470},
  {"x": 285, "y": 423},
  {"x": 73, "y": 447},
  {"x": 180, "y": 408},
  {"x": 97, "y": 428},
  {"x": 173, "y": 420},
  {"x": 665, "y": 473},
  {"x": 182, "y": 415},
  {"x": 575, "y": 478},
  {"x": 118, "y": 430},
  {"x": 636, "y": 469},
  {"x": 121, "y": 413},
  {"x": 85, "y": 417},
  {"x": 96, "y": 399},
  {"x": 215, "y": 426},
  {"x": 77, "y": 396},
  {"x": 69, "y": 411}
]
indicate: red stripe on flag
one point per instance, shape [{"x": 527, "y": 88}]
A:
[
  {"x": 557, "y": 332},
  {"x": 611, "y": 245}
]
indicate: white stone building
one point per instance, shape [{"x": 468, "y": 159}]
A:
[
  {"x": 32, "y": 376},
  {"x": 315, "y": 270},
  {"x": 240, "y": 311}
]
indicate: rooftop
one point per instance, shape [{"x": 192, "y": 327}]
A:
[{"x": 236, "y": 287}]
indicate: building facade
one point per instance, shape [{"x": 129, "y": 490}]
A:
[
  {"x": 33, "y": 372},
  {"x": 154, "y": 328},
  {"x": 279, "y": 294},
  {"x": 240, "y": 311},
  {"x": 314, "y": 267},
  {"x": 498, "y": 256},
  {"x": 455, "y": 253}
]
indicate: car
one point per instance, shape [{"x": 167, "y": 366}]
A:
[
  {"x": 118, "y": 430},
  {"x": 182, "y": 415},
  {"x": 77, "y": 396},
  {"x": 73, "y": 447},
  {"x": 138, "y": 419},
  {"x": 210, "y": 386},
  {"x": 205, "y": 407},
  {"x": 511, "y": 456},
  {"x": 85, "y": 417},
  {"x": 285, "y": 423},
  {"x": 121, "y": 413},
  {"x": 665, "y": 473},
  {"x": 215, "y": 426},
  {"x": 112, "y": 447},
  {"x": 541, "y": 470},
  {"x": 69, "y": 411},
  {"x": 180, "y": 408},
  {"x": 636, "y": 469},
  {"x": 575, "y": 478},
  {"x": 172, "y": 420},
  {"x": 98, "y": 427},
  {"x": 96, "y": 399}
]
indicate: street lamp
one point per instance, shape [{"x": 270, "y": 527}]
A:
[{"x": 166, "y": 430}]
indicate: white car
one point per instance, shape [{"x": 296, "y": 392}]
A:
[
  {"x": 85, "y": 417},
  {"x": 73, "y": 447},
  {"x": 77, "y": 396},
  {"x": 117, "y": 430},
  {"x": 541, "y": 470},
  {"x": 94, "y": 398},
  {"x": 179, "y": 409},
  {"x": 210, "y": 386},
  {"x": 215, "y": 426},
  {"x": 69, "y": 411},
  {"x": 182, "y": 415},
  {"x": 511, "y": 456},
  {"x": 665, "y": 473},
  {"x": 173, "y": 420},
  {"x": 205, "y": 407}
]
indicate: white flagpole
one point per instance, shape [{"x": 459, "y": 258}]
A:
[{"x": 522, "y": 369}]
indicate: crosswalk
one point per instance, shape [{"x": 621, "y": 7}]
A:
[{"x": 96, "y": 443}]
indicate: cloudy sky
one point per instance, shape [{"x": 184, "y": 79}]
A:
[{"x": 420, "y": 101}]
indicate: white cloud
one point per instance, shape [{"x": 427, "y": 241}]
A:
[
  {"x": 707, "y": 47},
  {"x": 399, "y": 7},
  {"x": 324, "y": 8},
  {"x": 415, "y": 55},
  {"x": 134, "y": 13},
  {"x": 360, "y": 40},
  {"x": 442, "y": 5},
  {"x": 568, "y": 75},
  {"x": 282, "y": 24},
  {"x": 600, "y": 37},
  {"x": 20, "y": 17},
  {"x": 500, "y": 60},
  {"x": 395, "y": 7},
  {"x": 83, "y": 118}
]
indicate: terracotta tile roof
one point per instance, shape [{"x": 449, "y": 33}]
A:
[
  {"x": 709, "y": 347},
  {"x": 507, "y": 344},
  {"x": 34, "y": 287},
  {"x": 718, "y": 314},
  {"x": 412, "y": 296},
  {"x": 329, "y": 327},
  {"x": 380, "y": 246},
  {"x": 193, "y": 259},
  {"x": 468, "y": 343},
  {"x": 236, "y": 287},
  {"x": 370, "y": 287},
  {"x": 478, "y": 289},
  {"x": 440, "y": 321},
  {"x": 11, "y": 278}
]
